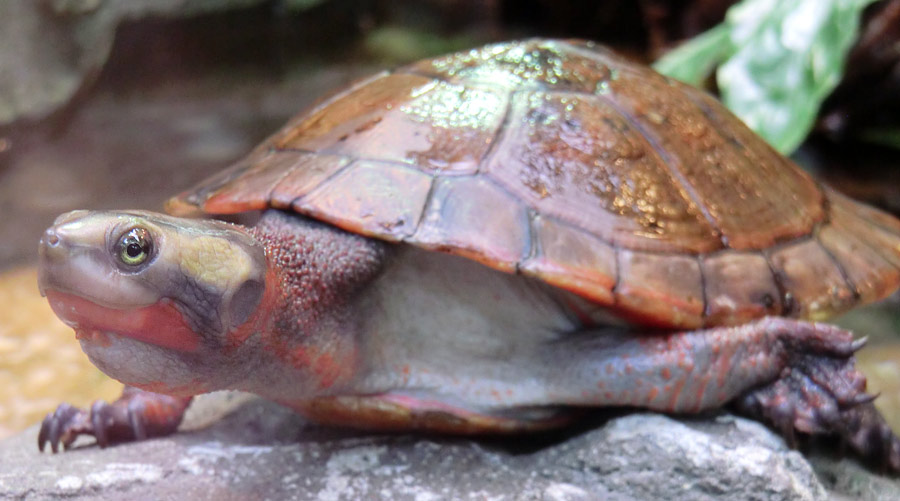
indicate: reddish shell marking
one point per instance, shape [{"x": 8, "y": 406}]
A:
[{"x": 160, "y": 324}]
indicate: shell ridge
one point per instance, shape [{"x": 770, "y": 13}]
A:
[
  {"x": 295, "y": 202},
  {"x": 705, "y": 295},
  {"x": 429, "y": 198},
  {"x": 443, "y": 79},
  {"x": 594, "y": 52},
  {"x": 280, "y": 180},
  {"x": 406, "y": 70},
  {"x": 534, "y": 245},
  {"x": 498, "y": 134},
  {"x": 670, "y": 164},
  {"x": 697, "y": 97},
  {"x": 839, "y": 265},
  {"x": 785, "y": 301},
  {"x": 520, "y": 87},
  {"x": 523, "y": 255},
  {"x": 617, "y": 251},
  {"x": 826, "y": 210}
]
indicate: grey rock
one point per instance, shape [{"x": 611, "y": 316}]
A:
[
  {"x": 235, "y": 446},
  {"x": 49, "y": 49}
]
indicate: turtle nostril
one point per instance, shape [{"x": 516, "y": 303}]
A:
[{"x": 51, "y": 238}]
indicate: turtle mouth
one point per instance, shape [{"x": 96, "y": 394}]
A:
[
  {"x": 160, "y": 324},
  {"x": 80, "y": 313},
  {"x": 97, "y": 337}
]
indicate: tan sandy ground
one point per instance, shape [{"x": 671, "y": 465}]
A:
[{"x": 41, "y": 363}]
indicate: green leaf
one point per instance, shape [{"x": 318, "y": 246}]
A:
[
  {"x": 781, "y": 60},
  {"x": 789, "y": 56},
  {"x": 693, "y": 61}
]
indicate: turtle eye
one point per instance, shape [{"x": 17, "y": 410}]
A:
[{"x": 134, "y": 246}]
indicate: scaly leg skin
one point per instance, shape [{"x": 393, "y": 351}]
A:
[
  {"x": 136, "y": 415},
  {"x": 797, "y": 376},
  {"x": 805, "y": 400}
]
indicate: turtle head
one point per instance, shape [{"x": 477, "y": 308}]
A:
[{"x": 155, "y": 300}]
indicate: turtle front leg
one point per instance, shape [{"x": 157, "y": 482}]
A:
[
  {"x": 136, "y": 415},
  {"x": 798, "y": 376}
]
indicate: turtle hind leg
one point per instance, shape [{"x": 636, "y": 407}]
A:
[
  {"x": 798, "y": 376},
  {"x": 135, "y": 415}
]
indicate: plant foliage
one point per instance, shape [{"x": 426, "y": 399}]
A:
[{"x": 777, "y": 61}]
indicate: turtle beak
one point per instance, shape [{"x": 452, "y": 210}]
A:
[
  {"x": 75, "y": 259},
  {"x": 58, "y": 244},
  {"x": 57, "y": 237}
]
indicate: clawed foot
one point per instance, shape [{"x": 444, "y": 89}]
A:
[
  {"x": 136, "y": 415},
  {"x": 820, "y": 391}
]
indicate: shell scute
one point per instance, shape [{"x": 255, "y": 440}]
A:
[
  {"x": 371, "y": 198},
  {"x": 577, "y": 158},
  {"x": 432, "y": 124},
  {"x": 813, "y": 280},
  {"x": 868, "y": 252},
  {"x": 660, "y": 289},
  {"x": 739, "y": 287},
  {"x": 472, "y": 216},
  {"x": 748, "y": 192},
  {"x": 572, "y": 259},
  {"x": 307, "y": 172}
]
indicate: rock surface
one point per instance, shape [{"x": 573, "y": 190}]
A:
[
  {"x": 234, "y": 446},
  {"x": 49, "y": 49}
]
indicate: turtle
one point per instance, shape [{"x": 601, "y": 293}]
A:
[{"x": 486, "y": 242}]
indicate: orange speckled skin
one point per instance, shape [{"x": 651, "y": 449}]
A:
[{"x": 319, "y": 272}]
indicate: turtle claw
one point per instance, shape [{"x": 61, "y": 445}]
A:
[
  {"x": 858, "y": 344},
  {"x": 826, "y": 395},
  {"x": 104, "y": 422},
  {"x": 101, "y": 417},
  {"x": 136, "y": 415},
  {"x": 62, "y": 426},
  {"x": 864, "y": 398},
  {"x": 137, "y": 424}
]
